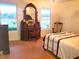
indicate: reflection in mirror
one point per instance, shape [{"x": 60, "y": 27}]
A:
[{"x": 31, "y": 12}]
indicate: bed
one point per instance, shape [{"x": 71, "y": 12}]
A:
[{"x": 63, "y": 45}]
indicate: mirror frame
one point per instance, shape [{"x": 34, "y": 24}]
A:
[{"x": 25, "y": 12}]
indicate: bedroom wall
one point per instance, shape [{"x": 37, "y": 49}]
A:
[
  {"x": 15, "y": 35},
  {"x": 66, "y": 11},
  {"x": 44, "y": 4},
  {"x": 68, "y": 14},
  {"x": 71, "y": 22}
]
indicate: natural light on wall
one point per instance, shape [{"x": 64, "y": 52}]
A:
[
  {"x": 59, "y": 0},
  {"x": 45, "y": 18},
  {"x": 52, "y": 0},
  {"x": 8, "y": 15}
]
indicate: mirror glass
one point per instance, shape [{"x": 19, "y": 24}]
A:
[{"x": 31, "y": 12}]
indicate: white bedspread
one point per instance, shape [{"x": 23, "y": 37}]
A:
[{"x": 68, "y": 48}]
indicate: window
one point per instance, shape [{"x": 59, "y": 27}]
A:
[
  {"x": 45, "y": 18},
  {"x": 8, "y": 15}
]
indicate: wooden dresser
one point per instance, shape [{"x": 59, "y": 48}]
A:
[
  {"x": 30, "y": 28},
  {"x": 4, "y": 39}
]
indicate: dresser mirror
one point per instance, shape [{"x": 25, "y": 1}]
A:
[{"x": 30, "y": 27}]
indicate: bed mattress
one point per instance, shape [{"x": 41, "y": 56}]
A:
[{"x": 68, "y": 47}]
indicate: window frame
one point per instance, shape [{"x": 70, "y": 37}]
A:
[
  {"x": 42, "y": 16},
  {"x": 15, "y": 18}
]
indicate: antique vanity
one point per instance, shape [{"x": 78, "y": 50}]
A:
[{"x": 30, "y": 27}]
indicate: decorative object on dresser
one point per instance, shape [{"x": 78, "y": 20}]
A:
[
  {"x": 4, "y": 40},
  {"x": 30, "y": 27}
]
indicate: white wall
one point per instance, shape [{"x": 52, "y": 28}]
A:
[
  {"x": 67, "y": 12},
  {"x": 39, "y": 5}
]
